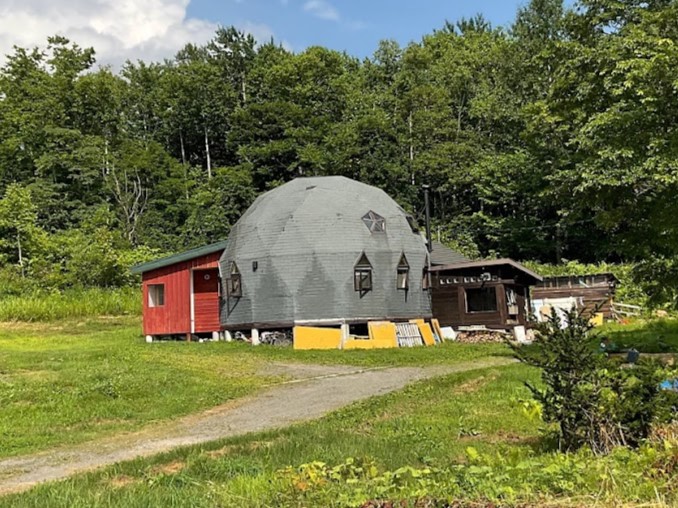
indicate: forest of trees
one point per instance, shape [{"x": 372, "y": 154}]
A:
[{"x": 553, "y": 139}]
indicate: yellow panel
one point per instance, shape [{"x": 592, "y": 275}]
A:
[
  {"x": 435, "y": 324},
  {"x": 425, "y": 330},
  {"x": 359, "y": 344},
  {"x": 597, "y": 319},
  {"x": 308, "y": 337},
  {"x": 382, "y": 334}
]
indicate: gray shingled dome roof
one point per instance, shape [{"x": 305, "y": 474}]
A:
[{"x": 296, "y": 248}]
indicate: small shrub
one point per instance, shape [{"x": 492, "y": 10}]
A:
[{"x": 593, "y": 401}]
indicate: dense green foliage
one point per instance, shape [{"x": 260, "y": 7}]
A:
[
  {"x": 554, "y": 138},
  {"x": 592, "y": 400}
]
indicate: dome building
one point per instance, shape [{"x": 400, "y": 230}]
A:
[{"x": 323, "y": 251}]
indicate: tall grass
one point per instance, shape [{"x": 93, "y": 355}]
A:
[{"x": 73, "y": 303}]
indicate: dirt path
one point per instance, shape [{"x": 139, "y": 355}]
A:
[{"x": 315, "y": 391}]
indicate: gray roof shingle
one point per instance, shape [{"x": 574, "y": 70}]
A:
[
  {"x": 306, "y": 238},
  {"x": 443, "y": 255}
]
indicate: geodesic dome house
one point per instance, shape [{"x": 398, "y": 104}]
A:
[{"x": 323, "y": 251}]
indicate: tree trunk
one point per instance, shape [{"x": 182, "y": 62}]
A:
[
  {"x": 207, "y": 154},
  {"x": 409, "y": 122},
  {"x": 21, "y": 257},
  {"x": 106, "y": 168},
  {"x": 559, "y": 246},
  {"x": 183, "y": 148}
]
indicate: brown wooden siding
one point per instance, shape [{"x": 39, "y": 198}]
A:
[
  {"x": 591, "y": 296},
  {"x": 449, "y": 307}
]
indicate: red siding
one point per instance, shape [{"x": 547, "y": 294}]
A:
[
  {"x": 174, "y": 317},
  {"x": 206, "y": 298}
]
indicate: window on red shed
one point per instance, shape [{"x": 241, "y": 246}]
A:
[{"x": 156, "y": 295}]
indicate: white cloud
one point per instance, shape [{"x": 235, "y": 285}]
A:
[
  {"x": 117, "y": 29},
  {"x": 322, "y": 9}
]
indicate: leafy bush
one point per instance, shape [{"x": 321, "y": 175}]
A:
[
  {"x": 489, "y": 478},
  {"x": 658, "y": 278},
  {"x": 591, "y": 400}
]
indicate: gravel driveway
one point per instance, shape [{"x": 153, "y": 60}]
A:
[{"x": 315, "y": 391}]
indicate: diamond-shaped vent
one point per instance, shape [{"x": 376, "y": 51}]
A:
[{"x": 374, "y": 222}]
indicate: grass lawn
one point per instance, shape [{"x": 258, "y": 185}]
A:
[
  {"x": 461, "y": 437},
  {"x": 68, "y": 382},
  {"x": 651, "y": 336},
  {"x": 465, "y": 436},
  {"x": 428, "y": 423}
]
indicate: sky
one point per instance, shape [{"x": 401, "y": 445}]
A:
[{"x": 156, "y": 29}]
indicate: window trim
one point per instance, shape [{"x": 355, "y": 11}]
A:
[
  {"x": 374, "y": 222},
  {"x": 496, "y": 301},
  {"x": 156, "y": 299},
  {"x": 361, "y": 269},
  {"x": 426, "y": 282},
  {"x": 234, "y": 288},
  {"x": 403, "y": 268}
]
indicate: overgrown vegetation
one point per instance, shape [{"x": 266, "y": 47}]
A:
[
  {"x": 545, "y": 140},
  {"x": 593, "y": 401},
  {"x": 70, "y": 304}
]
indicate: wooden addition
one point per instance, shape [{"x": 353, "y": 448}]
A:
[
  {"x": 182, "y": 293},
  {"x": 490, "y": 293},
  {"x": 592, "y": 290}
]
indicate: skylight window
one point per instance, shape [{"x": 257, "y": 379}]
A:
[{"x": 374, "y": 222}]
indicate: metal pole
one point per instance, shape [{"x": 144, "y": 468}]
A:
[{"x": 429, "y": 243}]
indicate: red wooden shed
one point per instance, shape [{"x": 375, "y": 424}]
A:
[{"x": 182, "y": 293}]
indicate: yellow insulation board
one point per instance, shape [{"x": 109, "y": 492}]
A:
[
  {"x": 598, "y": 319},
  {"x": 309, "y": 337},
  {"x": 435, "y": 324},
  {"x": 382, "y": 334},
  {"x": 425, "y": 330},
  {"x": 358, "y": 344}
]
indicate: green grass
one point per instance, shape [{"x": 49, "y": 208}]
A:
[
  {"x": 75, "y": 303},
  {"x": 464, "y": 435},
  {"x": 72, "y": 381},
  {"x": 459, "y": 437},
  {"x": 427, "y": 423},
  {"x": 647, "y": 336},
  {"x": 443, "y": 354}
]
